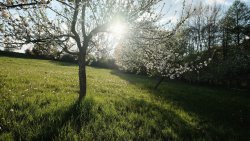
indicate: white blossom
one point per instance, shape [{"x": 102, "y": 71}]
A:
[{"x": 5, "y": 14}]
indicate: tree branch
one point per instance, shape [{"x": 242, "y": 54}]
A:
[
  {"x": 64, "y": 3},
  {"x": 83, "y": 22},
  {"x": 59, "y": 13},
  {"x": 73, "y": 24},
  {"x": 5, "y": 6}
]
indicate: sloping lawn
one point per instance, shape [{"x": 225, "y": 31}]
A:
[{"x": 38, "y": 102}]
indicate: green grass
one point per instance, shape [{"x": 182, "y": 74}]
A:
[{"x": 38, "y": 102}]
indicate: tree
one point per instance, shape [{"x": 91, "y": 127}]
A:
[
  {"x": 161, "y": 58},
  {"x": 75, "y": 24},
  {"x": 202, "y": 27},
  {"x": 168, "y": 54},
  {"x": 46, "y": 49},
  {"x": 237, "y": 20}
]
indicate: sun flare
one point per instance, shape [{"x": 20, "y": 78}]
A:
[{"x": 118, "y": 28}]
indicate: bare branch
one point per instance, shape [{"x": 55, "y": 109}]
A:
[
  {"x": 64, "y": 3},
  {"x": 58, "y": 13},
  {"x": 21, "y": 5}
]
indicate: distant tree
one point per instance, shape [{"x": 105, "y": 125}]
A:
[
  {"x": 8, "y": 49},
  {"x": 202, "y": 28},
  {"x": 229, "y": 37},
  {"x": 236, "y": 21},
  {"x": 46, "y": 49},
  {"x": 68, "y": 58},
  {"x": 28, "y": 52}
]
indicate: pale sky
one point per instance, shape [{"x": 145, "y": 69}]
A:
[{"x": 172, "y": 9}]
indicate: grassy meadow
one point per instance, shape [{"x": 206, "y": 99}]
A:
[{"x": 38, "y": 102}]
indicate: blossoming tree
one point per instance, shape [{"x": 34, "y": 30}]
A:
[
  {"x": 72, "y": 24},
  {"x": 164, "y": 56}
]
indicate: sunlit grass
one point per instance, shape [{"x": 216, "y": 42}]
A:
[{"x": 37, "y": 102}]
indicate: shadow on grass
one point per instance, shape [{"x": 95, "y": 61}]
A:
[
  {"x": 134, "y": 119},
  {"x": 153, "y": 122},
  {"x": 130, "y": 119},
  {"x": 224, "y": 112},
  {"x": 50, "y": 125}
]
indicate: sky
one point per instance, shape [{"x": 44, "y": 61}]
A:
[{"x": 172, "y": 9}]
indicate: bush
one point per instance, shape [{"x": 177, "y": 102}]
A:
[
  {"x": 69, "y": 58},
  {"x": 233, "y": 70},
  {"x": 102, "y": 62}
]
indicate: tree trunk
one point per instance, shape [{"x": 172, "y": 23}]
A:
[
  {"x": 158, "y": 83},
  {"x": 82, "y": 77},
  {"x": 209, "y": 37},
  {"x": 238, "y": 30},
  {"x": 224, "y": 43}
]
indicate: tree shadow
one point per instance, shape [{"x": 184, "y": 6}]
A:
[
  {"x": 49, "y": 125},
  {"x": 143, "y": 120},
  {"x": 162, "y": 123},
  {"x": 223, "y": 112}
]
